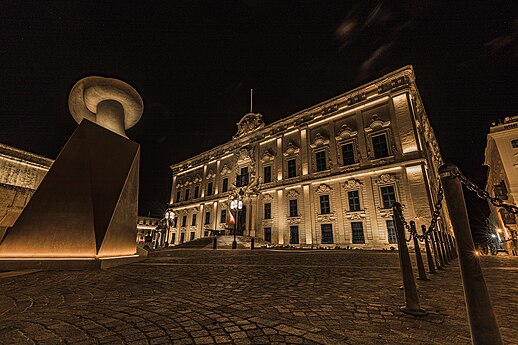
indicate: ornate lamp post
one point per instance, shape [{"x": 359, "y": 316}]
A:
[
  {"x": 235, "y": 205},
  {"x": 169, "y": 217}
]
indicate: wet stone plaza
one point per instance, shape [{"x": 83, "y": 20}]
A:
[{"x": 248, "y": 297}]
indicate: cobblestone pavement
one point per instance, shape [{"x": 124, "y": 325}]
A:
[{"x": 244, "y": 297}]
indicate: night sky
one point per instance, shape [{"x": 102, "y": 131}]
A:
[{"x": 194, "y": 62}]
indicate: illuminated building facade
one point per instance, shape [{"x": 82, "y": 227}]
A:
[
  {"x": 501, "y": 157},
  {"x": 20, "y": 175},
  {"x": 324, "y": 176}
]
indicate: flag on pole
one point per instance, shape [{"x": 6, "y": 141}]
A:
[{"x": 230, "y": 218}]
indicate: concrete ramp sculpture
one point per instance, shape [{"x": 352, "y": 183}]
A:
[{"x": 84, "y": 213}]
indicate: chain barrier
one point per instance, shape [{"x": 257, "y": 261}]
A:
[
  {"x": 484, "y": 194},
  {"x": 438, "y": 205},
  {"x": 433, "y": 223}
]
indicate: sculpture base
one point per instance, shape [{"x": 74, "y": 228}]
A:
[{"x": 14, "y": 264}]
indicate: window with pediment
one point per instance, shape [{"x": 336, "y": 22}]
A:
[
  {"x": 291, "y": 154},
  {"x": 379, "y": 139},
  {"x": 320, "y": 146},
  {"x": 347, "y": 140}
]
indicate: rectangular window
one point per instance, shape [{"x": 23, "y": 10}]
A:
[
  {"x": 196, "y": 192},
  {"x": 268, "y": 234},
  {"x": 292, "y": 168},
  {"x": 294, "y": 234},
  {"x": 173, "y": 238},
  {"x": 391, "y": 231},
  {"x": 388, "y": 196},
  {"x": 293, "y": 208},
  {"x": 327, "y": 233},
  {"x": 209, "y": 189},
  {"x": 186, "y": 194},
  {"x": 193, "y": 219},
  {"x": 379, "y": 144},
  {"x": 325, "y": 208},
  {"x": 267, "y": 211},
  {"x": 242, "y": 179},
  {"x": 354, "y": 200},
  {"x": 223, "y": 218},
  {"x": 225, "y": 185},
  {"x": 267, "y": 174},
  {"x": 514, "y": 142},
  {"x": 320, "y": 159},
  {"x": 348, "y": 154},
  {"x": 192, "y": 235},
  {"x": 178, "y": 196},
  {"x": 184, "y": 221},
  {"x": 182, "y": 237},
  {"x": 357, "y": 232},
  {"x": 207, "y": 218}
]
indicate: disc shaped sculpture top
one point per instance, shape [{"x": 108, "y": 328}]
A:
[{"x": 109, "y": 102}]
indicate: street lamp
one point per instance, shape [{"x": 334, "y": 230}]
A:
[
  {"x": 169, "y": 217},
  {"x": 236, "y": 204}
]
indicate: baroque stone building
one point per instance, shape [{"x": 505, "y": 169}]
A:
[
  {"x": 21, "y": 173},
  {"x": 502, "y": 178},
  {"x": 324, "y": 176}
]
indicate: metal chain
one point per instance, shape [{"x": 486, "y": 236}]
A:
[
  {"x": 484, "y": 194},
  {"x": 433, "y": 223}
]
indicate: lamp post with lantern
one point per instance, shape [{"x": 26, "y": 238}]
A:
[
  {"x": 236, "y": 205},
  {"x": 169, "y": 218}
]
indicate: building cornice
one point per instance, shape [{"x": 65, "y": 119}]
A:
[
  {"x": 13, "y": 153},
  {"x": 402, "y": 78}
]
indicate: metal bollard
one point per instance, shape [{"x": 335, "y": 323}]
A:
[
  {"x": 439, "y": 248},
  {"x": 412, "y": 305},
  {"x": 215, "y": 243},
  {"x": 418, "y": 256},
  {"x": 429, "y": 256},
  {"x": 252, "y": 244},
  {"x": 482, "y": 321},
  {"x": 435, "y": 249},
  {"x": 443, "y": 248}
]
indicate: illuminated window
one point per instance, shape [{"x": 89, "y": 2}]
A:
[
  {"x": 391, "y": 230},
  {"x": 380, "y": 146},
  {"x": 292, "y": 168},
  {"x": 294, "y": 234},
  {"x": 242, "y": 179},
  {"x": 327, "y": 233},
  {"x": 357, "y": 228},
  {"x": 388, "y": 196},
  {"x": 225, "y": 185},
  {"x": 354, "y": 200},
  {"x": 267, "y": 176},
  {"x": 293, "y": 208},
  {"x": 348, "y": 154},
  {"x": 267, "y": 211},
  {"x": 325, "y": 208},
  {"x": 320, "y": 159},
  {"x": 268, "y": 234}
]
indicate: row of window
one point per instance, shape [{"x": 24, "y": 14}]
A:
[
  {"x": 387, "y": 195},
  {"x": 327, "y": 233},
  {"x": 380, "y": 148}
]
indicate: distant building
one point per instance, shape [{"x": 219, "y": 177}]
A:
[
  {"x": 501, "y": 157},
  {"x": 148, "y": 231},
  {"x": 21, "y": 173},
  {"x": 325, "y": 176}
]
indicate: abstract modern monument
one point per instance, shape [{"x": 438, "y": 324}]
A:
[{"x": 84, "y": 213}]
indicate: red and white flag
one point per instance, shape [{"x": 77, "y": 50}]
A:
[{"x": 230, "y": 218}]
